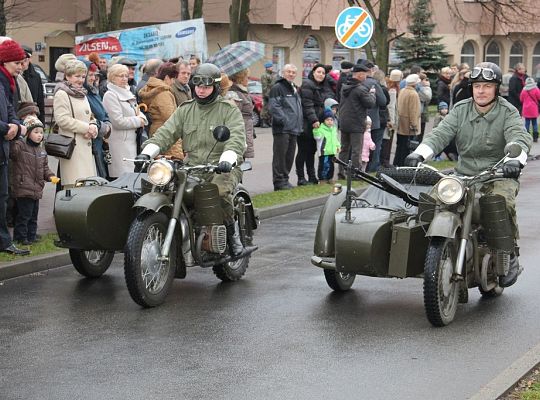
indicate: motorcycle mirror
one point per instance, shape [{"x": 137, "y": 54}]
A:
[
  {"x": 512, "y": 150},
  {"x": 221, "y": 133}
]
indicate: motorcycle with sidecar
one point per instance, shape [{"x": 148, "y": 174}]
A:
[
  {"x": 418, "y": 222},
  {"x": 164, "y": 221}
]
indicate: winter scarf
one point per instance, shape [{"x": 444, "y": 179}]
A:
[
  {"x": 79, "y": 93},
  {"x": 9, "y": 76}
]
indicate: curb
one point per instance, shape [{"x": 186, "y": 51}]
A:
[{"x": 44, "y": 262}]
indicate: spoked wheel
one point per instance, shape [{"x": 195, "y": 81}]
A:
[
  {"x": 339, "y": 281},
  {"x": 488, "y": 274},
  {"x": 148, "y": 279},
  {"x": 91, "y": 263},
  {"x": 256, "y": 118},
  {"x": 441, "y": 292},
  {"x": 235, "y": 270}
]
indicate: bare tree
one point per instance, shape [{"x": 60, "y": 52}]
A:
[
  {"x": 238, "y": 20},
  {"x": 107, "y": 21},
  {"x": 15, "y": 11},
  {"x": 197, "y": 9}
]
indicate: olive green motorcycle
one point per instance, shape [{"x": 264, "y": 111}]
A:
[{"x": 417, "y": 222}]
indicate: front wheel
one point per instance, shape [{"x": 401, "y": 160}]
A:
[
  {"x": 441, "y": 291},
  {"x": 148, "y": 279},
  {"x": 91, "y": 263},
  {"x": 339, "y": 281}
]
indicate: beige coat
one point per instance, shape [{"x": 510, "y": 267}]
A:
[
  {"x": 157, "y": 95},
  {"x": 120, "y": 104},
  {"x": 409, "y": 111},
  {"x": 81, "y": 164},
  {"x": 24, "y": 90}
]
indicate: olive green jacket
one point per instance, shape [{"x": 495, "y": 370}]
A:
[
  {"x": 193, "y": 123},
  {"x": 480, "y": 139}
]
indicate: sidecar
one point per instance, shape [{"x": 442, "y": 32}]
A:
[
  {"x": 93, "y": 219},
  {"x": 374, "y": 233}
]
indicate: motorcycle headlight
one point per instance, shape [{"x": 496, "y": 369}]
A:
[
  {"x": 160, "y": 172},
  {"x": 450, "y": 190}
]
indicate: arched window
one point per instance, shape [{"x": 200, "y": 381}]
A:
[
  {"x": 311, "y": 54},
  {"x": 516, "y": 54},
  {"x": 467, "y": 53},
  {"x": 536, "y": 61},
  {"x": 493, "y": 53}
]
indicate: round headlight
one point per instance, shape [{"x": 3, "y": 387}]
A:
[
  {"x": 450, "y": 190},
  {"x": 160, "y": 172}
]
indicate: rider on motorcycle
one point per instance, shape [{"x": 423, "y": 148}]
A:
[
  {"x": 482, "y": 126},
  {"x": 193, "y": 122}
]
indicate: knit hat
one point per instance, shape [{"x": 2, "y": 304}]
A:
[
  {"x": 530, "y": 83},
  {"x": 10, "y": 50},
  {"x": 328, "y": 114},
  {"x": 442, "y": 105},
  {"x": 26, "y": 108},
  {"x": 346, "y": 65},
  {"x": 268, "y": 64},
  {"x": 60, "y": 64},
  {"x": 32, "y": 122},
  {"x": 396, "y": 75},
  {"x": 412, "y": 79}
]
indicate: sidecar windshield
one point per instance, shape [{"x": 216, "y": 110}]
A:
[{"x": 380, "y": 198}]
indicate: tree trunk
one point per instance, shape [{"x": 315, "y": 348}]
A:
[
  {"x": 115, "y": 18},
  {"x": 234, "y": 21},
  {"x": 197, "y": 9},
  {"x": 184, "y": 10},
  {"x": 243, "y": 20},
  {"x": 2, "y": 18},
  {"x": 99, "y": 15}
]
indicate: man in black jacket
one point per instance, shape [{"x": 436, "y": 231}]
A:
[
  {"x": 356, "y": 99},
  {"x": 285, "y": 106},
  {"x": 33, "y": 79}
]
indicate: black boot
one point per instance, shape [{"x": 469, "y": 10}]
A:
[
  {"x": 236, "y": 248},
  {"x": 535, "y": 137},
  {"x": 513, "y": 272}
]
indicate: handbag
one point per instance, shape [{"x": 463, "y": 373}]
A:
[{"x": 58, "y": 145}]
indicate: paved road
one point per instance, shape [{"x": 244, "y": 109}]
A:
[{"x": 278, "y": 334}]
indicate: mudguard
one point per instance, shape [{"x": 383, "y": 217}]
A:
[
  {"x": 444, "y": 224},
  {"x": 243, "y": 192},
  {"x": 324, "y": 245},
  {"x": 153, "y": 201}
]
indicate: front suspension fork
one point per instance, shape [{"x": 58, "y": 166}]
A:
[{"x": 465, "y": 234}]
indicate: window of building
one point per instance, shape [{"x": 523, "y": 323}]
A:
[
  {"x": 467, "y": 53},
  {"x": 493, "y": 53},
  {"x": 311, "y": 54},
  {"x": 536, "y": 61},
  {"x": 516, "y": 54},
  {"x": 340, "y": 53}
]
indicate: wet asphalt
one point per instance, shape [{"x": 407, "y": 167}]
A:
[{"x": 280, "y": 333}]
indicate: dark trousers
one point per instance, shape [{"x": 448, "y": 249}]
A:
[
  {"x": 26, "y": 221},
  {"x": 374, "y": 157},
  {"x": 99, "y": 157},
  {"x": 402, "y": 149},
  {"x": 284, "y": 147},
  {"x": 326, "y": 168},
  {"x": 307, "y": 147},
  {"x": 351, "y": 143},
  {"x": 5, "y": 237}
]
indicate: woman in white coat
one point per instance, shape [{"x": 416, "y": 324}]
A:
[
  {"x": 74, "y": 118},
  {"x": 125, "y": 118}
]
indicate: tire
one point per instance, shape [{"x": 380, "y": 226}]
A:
[
  {"x": 256, "y": 118},
  {"x": 235, "y": 270},
  {"x": 338, "y": 281},
  {"x": 409, "y": 175},
  {"x": 440, "y": 292},
  {"x": 148, "y": 281},
  {"x": 91, "y": 263}
]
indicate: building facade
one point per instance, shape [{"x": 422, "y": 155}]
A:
[{"x": 300, "y": 32}]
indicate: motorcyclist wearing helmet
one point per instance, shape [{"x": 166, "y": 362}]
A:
[
  {"x": 482, "y": 126},
  {"x": 194, "y": 122}
]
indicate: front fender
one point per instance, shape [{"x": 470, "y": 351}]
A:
[
  {"x": 153, "y": 201},
  {"x": 444, "y": 224},
  {"x": 326, "y": 228}
]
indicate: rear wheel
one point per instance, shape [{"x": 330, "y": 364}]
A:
[
  {"x": 91, "y": 263},
  {"x": 148, "y": 279},
  {"x": 441, "y": 291},
  {"x": 256, "y": 118},
  {"x": 339, "y": 281}
]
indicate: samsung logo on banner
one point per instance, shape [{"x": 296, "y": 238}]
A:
[{"x": 185, "y": 32}]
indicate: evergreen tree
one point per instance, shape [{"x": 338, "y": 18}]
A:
[{"x": 421, "y": 48}]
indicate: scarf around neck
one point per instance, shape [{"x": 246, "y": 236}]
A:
[
  {"x": 70, "y": 90},
  {"x": 9, "y": 76}
]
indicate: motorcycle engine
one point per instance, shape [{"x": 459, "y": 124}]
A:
[{"x": 215, "y": 239}]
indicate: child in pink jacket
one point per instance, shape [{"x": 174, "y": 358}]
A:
[
  {"x": 367, "y": 145},
  {"x": 530, "y": 98}
]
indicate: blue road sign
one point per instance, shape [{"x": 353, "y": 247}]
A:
[{"x": 354, "y": 27}]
